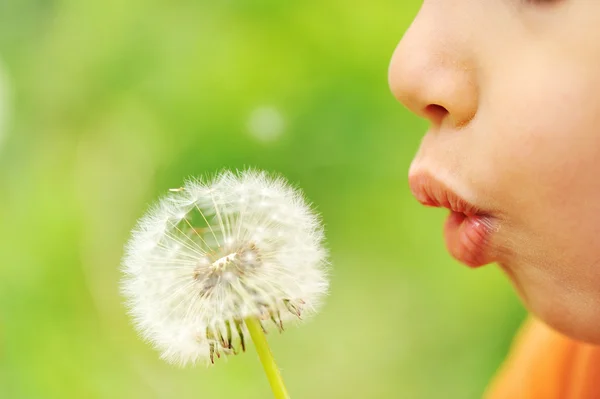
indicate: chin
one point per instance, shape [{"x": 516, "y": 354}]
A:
[
  {"x": 575, "y": 320},
  {"x": 566, "y": 303},
  {"x": 579, "y": 332}
]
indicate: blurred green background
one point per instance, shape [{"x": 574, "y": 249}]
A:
[{"x": 104, "y": 105}]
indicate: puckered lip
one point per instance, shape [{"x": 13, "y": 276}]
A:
[
  {"x": 431, "y": 192},
  {"x": 468, "y": 228}
]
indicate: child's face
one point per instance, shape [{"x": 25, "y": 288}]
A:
[{"x": 512, "y": 91}]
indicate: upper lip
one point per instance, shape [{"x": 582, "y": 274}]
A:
[{"x": 432, "y": 192}]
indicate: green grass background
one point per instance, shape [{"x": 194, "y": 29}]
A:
[{"x": 111, "y": 103}]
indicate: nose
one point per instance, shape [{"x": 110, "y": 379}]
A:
[{"x": 432, "y": 71}]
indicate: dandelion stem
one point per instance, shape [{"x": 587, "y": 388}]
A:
[{"x": 266, "y": 358}]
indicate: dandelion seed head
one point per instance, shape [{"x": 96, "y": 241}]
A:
[{"x": 202, "y": 260}]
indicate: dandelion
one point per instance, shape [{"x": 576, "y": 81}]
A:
[{"x": 215, "y": 261}]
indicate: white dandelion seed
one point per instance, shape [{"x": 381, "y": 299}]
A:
[
  {"x": 212, "y": 254},
  {"x": 266, "y": 124}
]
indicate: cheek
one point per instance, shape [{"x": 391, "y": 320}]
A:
[
  {"x": 548, "y": 144},
  {"x": 544, "y": 155}
]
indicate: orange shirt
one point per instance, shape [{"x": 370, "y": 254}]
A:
[{"x": 544, "y": 364}]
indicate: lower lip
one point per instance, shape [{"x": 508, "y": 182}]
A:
[{"x": 467, "y": 238}]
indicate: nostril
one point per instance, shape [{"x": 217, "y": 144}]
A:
[{"x": 435, "y": 113}]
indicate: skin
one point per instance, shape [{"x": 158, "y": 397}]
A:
[{"x": 512, "y": 92}]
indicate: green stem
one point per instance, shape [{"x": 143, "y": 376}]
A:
[{"x": 266, "y": 358}]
